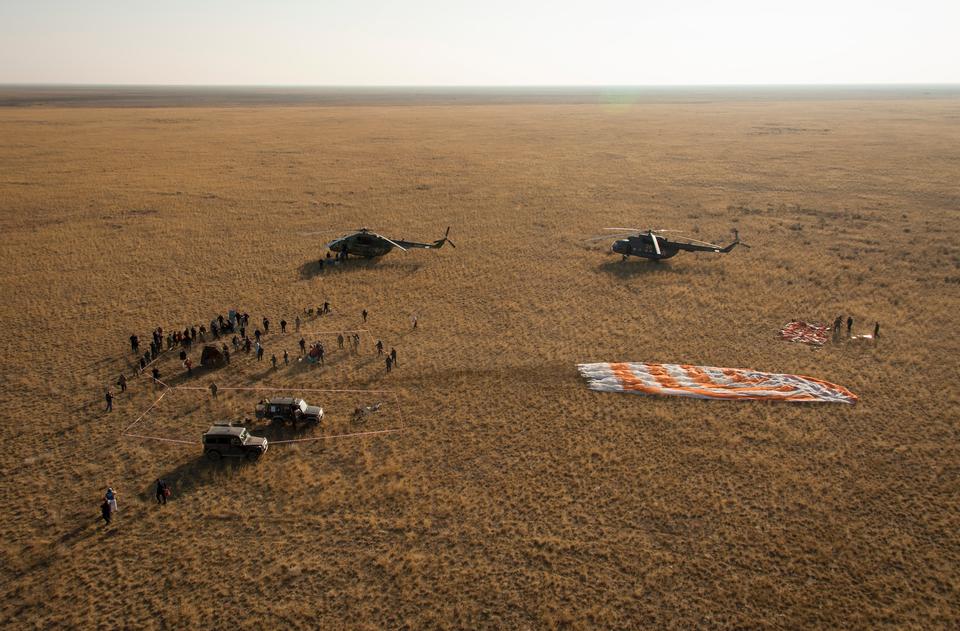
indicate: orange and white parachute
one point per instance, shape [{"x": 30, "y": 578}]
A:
[{"x": 708, "y": 382}]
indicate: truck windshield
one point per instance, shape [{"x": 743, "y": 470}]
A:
[
  {"x": 244, "y": 436},
  {"x": 303, "y": 406}
]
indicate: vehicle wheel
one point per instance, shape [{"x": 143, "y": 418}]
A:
[
  {"x": 253, "y": 456},
  {"x": 213, "y": 455}
]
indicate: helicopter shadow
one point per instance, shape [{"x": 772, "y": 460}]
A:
[
  {"x": 632, "y": 269},
  {"x": 312, "y": 269}
]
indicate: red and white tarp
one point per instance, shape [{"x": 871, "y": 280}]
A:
[
  {"x": 709, "y": 382},
  {"x": 806, "y": 332}
]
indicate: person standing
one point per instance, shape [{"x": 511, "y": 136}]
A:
[
  {"x": 109, "y": 398},
  {"x": 135, "y": 344},
  {"x": 156, "y": 374},
  {"x": 393, "y": 356},
  {"x": 256, "y": 335},
  {"x": 364, "y": 314},
  {"x": 326, "y": 307},
  {"x": 283, "y": 326},
  {"x": 296, "y": 324},
  {"x": 320, "y": 352},
  {"x": 106, "y": 513},
  {"x": 379, "y": 348},
  {"x": 111, "y": 498},
  {"x": 213, "y": 390},
  {"x": 189, "y": 366},
  {"x": 849, "y": 325},
  {"x": 266, "y": 326},
  {"x": 340, "y": 341},
  {"x": 303, "y": 346},
  {"x": 876, "y": 331},
  {"x": 389, "y": 363},
  {"x": 273, "y": 360},
  {"x": 286, "y": 358},
  {"x": 259, "y": 352},
  {"x": 161, "y": 492},
  {"x": 122, "y": 381},
  {"x": 414, "y": 319}
]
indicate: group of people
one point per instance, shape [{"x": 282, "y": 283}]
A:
[
  {"x": 220, "y": 326},
  {"x": 838, "y": 328},
  {"x": 236, "y": 324},
  {"x": 331, "y": 259},
  {"x": 108, "y": 507}
]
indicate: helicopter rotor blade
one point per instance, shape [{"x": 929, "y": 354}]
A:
[
  {"x": 394, "y": 243},
  {"x": 607, "y": 237},
  {"x": 656, "y": 246},
  {"x": 703, "y": 243},
  {"x": 623, "y": 229}
]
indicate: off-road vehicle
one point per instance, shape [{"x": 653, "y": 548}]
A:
[
  {"x": 289, "y": 409},
  {"x": 225, "y": 440}
]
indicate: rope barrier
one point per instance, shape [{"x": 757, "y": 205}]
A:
[
  {"x": 144, "y": 413},
  {"x": 220, "y": 388},
  {"x": 304, "y": 440},
  {"x": 166, "y": 440},
  {"x": 168, "y": 388}
]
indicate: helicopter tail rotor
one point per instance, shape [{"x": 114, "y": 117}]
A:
[
  {"x": 736, "y": 242},
  {"x": 446, "y": 239}
]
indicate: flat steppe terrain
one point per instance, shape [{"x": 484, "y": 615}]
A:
[{"x": 515, "y": 497}]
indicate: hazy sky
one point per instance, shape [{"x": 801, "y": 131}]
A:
[{"x": 481, "y": 42}]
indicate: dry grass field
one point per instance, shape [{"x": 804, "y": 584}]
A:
[{"x": 515, "y": 497}]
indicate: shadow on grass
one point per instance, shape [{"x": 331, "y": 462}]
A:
[
  {"x": 193, "y": 475},
  {"x": 276, "y": 431},
  {"x": 314, "y": 268},
  {"x": 633, "y": 268},
  {"x": 180, "y": 378},
  {"x": 200, "y": 470}
]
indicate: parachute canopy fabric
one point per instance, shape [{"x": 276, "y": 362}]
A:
[
  {"x": 709, "y": 382},
  {"x": 806, "y": 332}
]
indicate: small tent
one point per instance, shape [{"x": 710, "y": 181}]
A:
[{"x": 211, "y": 357}]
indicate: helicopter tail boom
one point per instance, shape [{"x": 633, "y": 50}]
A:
[{"x": 736, "y": 242}]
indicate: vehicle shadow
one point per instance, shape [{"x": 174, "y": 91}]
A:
[
  {"x": 632, "y": 269},
  {"x": 190, "y": 476},
  {"x": 286, "y": 431},
  {"x": 314, "y": 268}
]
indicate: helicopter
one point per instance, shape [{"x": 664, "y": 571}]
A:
[
  {"x": 368, "y": 244},
  {"x": 651, "y": 244}
]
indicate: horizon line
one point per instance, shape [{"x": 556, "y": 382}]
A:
[{"x": 479, "y": 85}]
